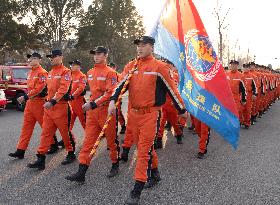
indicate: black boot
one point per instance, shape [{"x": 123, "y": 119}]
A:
[
  {"x": 154, "y": 179},
  {"x": 168, "y": 126},
  {"x": 135, "y": 194},
  {"x": 179, "y": 139},
  {"x": 158, "y": 144},
  {"x": 124, "y": 155},
  {"x": 255, "y": 118},
  {"x": 19, "y": 153},
  {"x": 80, "y": 175},
  {"x": 201, "y": 155},
  {"x": 61, "y": 144},
  {"x": 123, "y": 129},
  {"x": 114, "y": 170},
  {"x": 252, "y": 120},
  {"x": 71, "y": 157},
  {"x": 40, "y": 163},
  {"x": 246, "y": 127},
  {"x": 191, "y": 127},
  {"x": 54, "y": 148}
]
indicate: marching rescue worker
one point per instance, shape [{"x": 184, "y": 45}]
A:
[
  {"x": 170, "y": 114},
  {"x": 121, "y": 118},
  {"x": 77, "y": 99},
  {"x": 265, "y": 89},
  {"x": 236, "y": 82},
  {"x": 147, "y": 88},
  {"x": 256, "y": 79},
  {"x": 203, "y": 132},
  {"x": 35, "y": 99},
  {"x": 77, "y": 93},
  {"x": 260, "y": 87},
  {"x": 251, "y": 88},
  {"x": 101, "y": 79},
  {"x": 57, "y": 112}
]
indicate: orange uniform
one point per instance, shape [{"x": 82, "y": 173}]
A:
[
  {"x": 58, "y": 116},
  {"x": 264, "y": 91},
  {"x": 258, "y": 87},
  {"x": 77, "y": 93},
  {"x": 236, "y": 81},
  {"x": 203, "y": 131},
  {"x": 34, "y": 111},
  {"x": 101, "y": 80},
  {"x": 251, "y": 89},
  {"x": 170, "y": 113},
  {"x": 147, "y": 93}
]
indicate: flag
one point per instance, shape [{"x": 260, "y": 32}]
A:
[{"x": 181, "y": 38}]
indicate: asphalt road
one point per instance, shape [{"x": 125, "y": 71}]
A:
[{"x": 249, "y": 175}]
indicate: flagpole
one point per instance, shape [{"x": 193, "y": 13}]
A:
[{"x": 109, "y": 118}]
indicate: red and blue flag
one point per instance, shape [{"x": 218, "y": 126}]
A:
[{"x": 181, "y": 38}]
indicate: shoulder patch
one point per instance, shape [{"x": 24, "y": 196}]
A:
[
  {"x": 43, "y": 78},
  {"x": 114, "y": 81},
  {"x": 67, "y": 77}
]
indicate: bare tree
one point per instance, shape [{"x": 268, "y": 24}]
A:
[{"x": 222, "y": 26}]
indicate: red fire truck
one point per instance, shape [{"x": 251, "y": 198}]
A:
[{"x": 13, "y": 79}]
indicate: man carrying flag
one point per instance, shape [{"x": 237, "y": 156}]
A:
[{"x": 147, "y": 88}]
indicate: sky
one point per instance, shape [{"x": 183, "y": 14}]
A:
[{"x": 253, "y": 25}]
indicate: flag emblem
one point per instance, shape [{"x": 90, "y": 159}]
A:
[{"x": 201, "y": 58}]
